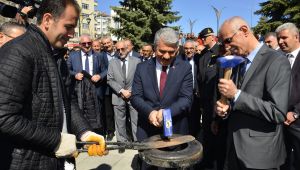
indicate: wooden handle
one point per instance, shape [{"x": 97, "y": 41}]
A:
[{"x": 227, "y": 75}]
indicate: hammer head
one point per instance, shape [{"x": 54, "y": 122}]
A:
[{"x": 230, "y": 61}]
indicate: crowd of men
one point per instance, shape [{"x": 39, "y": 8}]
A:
[{"x": 50, "y": 97}]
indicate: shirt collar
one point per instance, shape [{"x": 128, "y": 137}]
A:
[
  {"x": 159, "y": 66},
  {"x": 253, "y": 53},
  {"x": 89, "y": 53},
  {"x": 295, "y": 52}
]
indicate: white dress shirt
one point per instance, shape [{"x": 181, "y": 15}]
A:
[{"x": 83, "y": 57}]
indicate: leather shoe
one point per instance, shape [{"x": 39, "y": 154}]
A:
[{"x": 110, "y": 136}]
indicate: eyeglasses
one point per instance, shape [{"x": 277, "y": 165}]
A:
[
  {"x": 86, "y": 43},
  {"x": 229, "y": 40}
]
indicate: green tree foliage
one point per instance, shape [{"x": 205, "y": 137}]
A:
[
  {"x": 277, "y": 12},
  {"x": 140, "y": 19}
]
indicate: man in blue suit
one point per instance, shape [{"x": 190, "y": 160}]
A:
[
  {"x": 160, "y": 83},
  {"x": 86, "y": 64}
]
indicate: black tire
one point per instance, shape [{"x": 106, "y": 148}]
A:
[{"x": 182, "y": 157}]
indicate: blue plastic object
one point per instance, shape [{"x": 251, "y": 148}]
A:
[
  {"x": 230, "y": 61},
  {"x": 168, "y": 125}
]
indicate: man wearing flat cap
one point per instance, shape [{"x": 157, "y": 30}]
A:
[{"x": 207, "y": 81}]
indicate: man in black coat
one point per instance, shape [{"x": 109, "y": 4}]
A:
[
  {"x": 35, "y": 114},
  {"x": 207, "y": 82},
  {"x": 288, "y": 37}
]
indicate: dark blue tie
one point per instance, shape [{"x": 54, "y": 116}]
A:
[
  {"x": 242, "y": 71},
  {"x": 87, "y": 66}
]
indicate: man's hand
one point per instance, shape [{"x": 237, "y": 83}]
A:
[
  {"x": 152, "y": 118},
  {"x": 22, "y": 19},
  {"x": 79, "y": 76},
  {"x": 126, "y": 94},
  {"x": 289, "y": 118},
  {"x": 221, "y": 109},
  {"x": 96, "y": 78},
  {"x": 67, "y": 146},
  {"x": 227, "y": 88},
  {"x": 94, "y": 150},
  {"x": 159, "y": 117}
]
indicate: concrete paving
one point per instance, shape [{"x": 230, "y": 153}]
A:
[{"x": 113, "y": 161}]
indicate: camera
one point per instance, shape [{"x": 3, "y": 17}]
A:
[{"x": 34, "y": 3}]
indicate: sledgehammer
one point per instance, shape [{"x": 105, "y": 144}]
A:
[{"x": 227, "y": 63}]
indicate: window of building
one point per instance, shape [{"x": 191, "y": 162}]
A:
[
  {"x": 85, "y": 6},
  {"x": 85, "y": 26}
]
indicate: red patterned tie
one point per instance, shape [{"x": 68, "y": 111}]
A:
[{"x": 163, "y": 79}]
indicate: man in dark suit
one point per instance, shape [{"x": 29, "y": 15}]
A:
[
  {"x": 288, "y": 36},
  {"x": 164, "y": 82},
  {"x": 108, "y": 112},
  {"x": 259, "y": 100},
  {"x": 94, "y": 65},
  {"x": 147, "y": 52},
  {"x": 151, "y": 92},
  {"x": 189, "y": 48}
]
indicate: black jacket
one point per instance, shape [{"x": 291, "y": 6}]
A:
[
  {"x": 88, "y": 101},
  {"x": 31, "y": 107}
]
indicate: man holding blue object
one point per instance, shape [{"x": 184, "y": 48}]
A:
[
  {"x": 259, "y": 101},
  {"x": 164, "y": 82}
]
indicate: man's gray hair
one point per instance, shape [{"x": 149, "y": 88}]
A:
[
  {"x": 167, "y": 35},
  {"x": 191, "y": 41},
  {"x": 288, "y": 26},
  {"x": 8, "y": 26}
]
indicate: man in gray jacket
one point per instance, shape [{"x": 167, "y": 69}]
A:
[{"x": 119, "y": 77}]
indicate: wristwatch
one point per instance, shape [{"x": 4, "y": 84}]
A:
[{"x": 295, "y": 115}]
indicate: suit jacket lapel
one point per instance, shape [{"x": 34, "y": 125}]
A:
[
  {"x": 153, "y": 78},
  {"x": 95, "y": 64},
  {"x": 80, "y": 61},
  {"x": 296, "y": 63},
  {"x": 253, "y": 66},
  {"x": 130, "y": 69}
]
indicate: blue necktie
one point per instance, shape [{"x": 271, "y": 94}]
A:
[
  {"x": 87, "y": 67},
  {"x": 242, "y": 72}
]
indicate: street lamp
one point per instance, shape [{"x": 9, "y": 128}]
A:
[
  {"x": 88, "y": 21},
  {"x": 218, "y": 15},
  {"x": 192, "y": 24}
]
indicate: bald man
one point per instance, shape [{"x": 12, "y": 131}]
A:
[
  {"x": 9, "y": 31},
  {"x": 259, "y": 99}
]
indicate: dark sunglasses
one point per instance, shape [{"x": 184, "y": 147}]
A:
[
  {"x": 86, "y": 43},
  {"x": 229, "y": 40}
]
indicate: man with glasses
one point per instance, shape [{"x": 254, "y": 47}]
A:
[
  {"x": 88, "y": 69},
  {"x": 120, "y": 77},
  {"x": 9, "y": 31},
  {"x": 258, "y": 97},
  {"x": 207, "y": 80}
]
